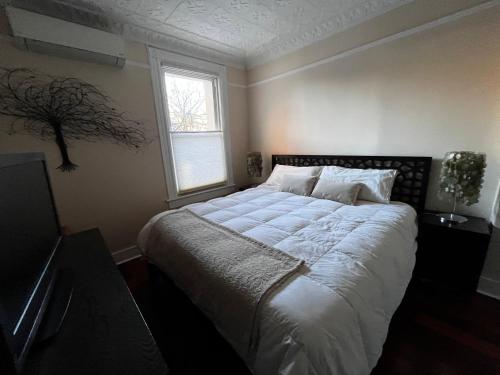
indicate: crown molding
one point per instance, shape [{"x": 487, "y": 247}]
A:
[
  {"x": 173, "y": 44},
  {"x": 237, "y": 85},
  {"x": 340, "y": 22},
  {"x": 178, "y": 40},
  {"x": 144, "y": 26},
  {"x": 175, "y": 41},
  {"x": 403, "y": 34}
]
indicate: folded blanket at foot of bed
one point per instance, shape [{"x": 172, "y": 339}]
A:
[{"x": 227, "y": 275}]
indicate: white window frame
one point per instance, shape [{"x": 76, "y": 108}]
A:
[{"x": 157, "y": 59}]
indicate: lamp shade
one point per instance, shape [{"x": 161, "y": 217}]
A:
[
  {"x": 462, "y": 176},
  {"x": 254, "y": 164}
]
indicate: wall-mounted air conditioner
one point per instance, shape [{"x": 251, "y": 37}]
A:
[{"x": 39, "y": 33}]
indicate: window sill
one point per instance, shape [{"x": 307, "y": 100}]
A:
[{"x": 201, "y": 196}]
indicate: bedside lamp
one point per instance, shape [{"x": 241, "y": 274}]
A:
[
  {"x": 461, "y": 180},
  {"x": 254, "y": 164}
]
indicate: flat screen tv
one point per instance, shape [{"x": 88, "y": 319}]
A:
[{"x": 30, "y": 237}]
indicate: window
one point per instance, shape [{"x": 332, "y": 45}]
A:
[
  {"x": 196, "y": 136},
  {"x": 190, "y": 98}
]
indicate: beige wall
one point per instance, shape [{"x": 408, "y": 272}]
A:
[
  {"x": 238, "y": 118},
  {"x": 114, "y": 188},
  {"x": 425, "y": 94},
  {"x": 414, "y": 14}
]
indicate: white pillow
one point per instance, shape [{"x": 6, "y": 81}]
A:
[
  {"x": 342, "y": 192},
  {"x": 279, "y": 171},
  {"x": 296, "y": 184},
  {"x": 376, "y": 184}
]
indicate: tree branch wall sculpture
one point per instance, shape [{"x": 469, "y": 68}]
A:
[{"x": 63, "y": 110}]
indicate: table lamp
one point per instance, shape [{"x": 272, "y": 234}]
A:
[
  {"x": 254, "y": 164},
  {"x": 461, "y": 180}
]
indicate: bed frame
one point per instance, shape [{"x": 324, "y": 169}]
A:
[
  {"x": 411, "y": 182},
  {"x": 184, "y": 333}
]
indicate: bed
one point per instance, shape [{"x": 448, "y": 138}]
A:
[{"x": 333, "y": 316}]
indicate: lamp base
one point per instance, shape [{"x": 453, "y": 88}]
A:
[{"x": 451, "y": 218}]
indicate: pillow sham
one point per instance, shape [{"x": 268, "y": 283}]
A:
[
  {"x": 280, "y": 170},
  {"x": 342, "y": 192},
  {"x": 296, "y": 184},
  {"x": 376, "y": 184}
]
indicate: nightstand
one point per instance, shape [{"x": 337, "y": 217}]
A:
[{"x": 452, "y": 254}]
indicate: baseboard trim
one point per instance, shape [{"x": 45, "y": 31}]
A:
[
  {"x": 124, "y": 255},
  {"x": 489, "y": 287}
]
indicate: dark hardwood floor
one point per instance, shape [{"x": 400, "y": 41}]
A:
[{"x": 434, "y": 332}]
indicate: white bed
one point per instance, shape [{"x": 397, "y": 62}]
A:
[{"x": 334, "y": 316}]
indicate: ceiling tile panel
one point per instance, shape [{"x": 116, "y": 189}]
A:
[
  {"x": 254, "y": 12},
  {"x": 198, "y": 7},
  {"x": 254, "y": 31},
  {"x": 159, "y": 10}
]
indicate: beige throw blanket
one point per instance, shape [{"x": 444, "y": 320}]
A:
[{"x": 225, "y": 274}]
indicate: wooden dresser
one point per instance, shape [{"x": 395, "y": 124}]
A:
[{"x": 103, "y": 332}]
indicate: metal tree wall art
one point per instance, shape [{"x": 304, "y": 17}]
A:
[{"x": 63, "y": 110}]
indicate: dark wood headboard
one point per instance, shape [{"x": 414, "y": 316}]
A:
[{"x": 411, "y": 182}]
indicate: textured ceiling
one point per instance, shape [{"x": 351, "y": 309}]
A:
[{"x": 247, "y": 32}]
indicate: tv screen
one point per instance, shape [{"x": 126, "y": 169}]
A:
[{"x": 29, "y": 235}]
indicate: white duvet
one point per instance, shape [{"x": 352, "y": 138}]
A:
[{"x": 333, "y": 317}]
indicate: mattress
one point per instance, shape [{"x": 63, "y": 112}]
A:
[{"x": 334, "y": 316}]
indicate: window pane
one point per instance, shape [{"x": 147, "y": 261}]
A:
[
  {"x": 190, "y": 103},
  {"x": 199, "y": 159}
]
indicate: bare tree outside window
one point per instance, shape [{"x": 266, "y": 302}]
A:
[{"x": 190, "y": 104}]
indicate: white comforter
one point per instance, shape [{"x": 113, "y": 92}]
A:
[{"x": 332, "y": 318}]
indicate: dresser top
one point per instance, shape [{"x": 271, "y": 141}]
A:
[{"x": 103, "y": 331}]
